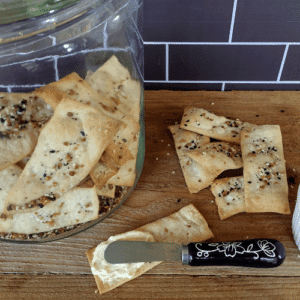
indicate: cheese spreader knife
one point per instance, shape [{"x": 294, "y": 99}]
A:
[{"x": 256, "y": 253}]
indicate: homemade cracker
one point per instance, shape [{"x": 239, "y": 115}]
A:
[
  {"x": 101, "y": 173},
  {"x": 183, "y": 227},
  {"x": 79, "y": 205},
  {"x": 8, "y": 178},
  {"x": 68, "y": 147},
  {"x": 204, "y": 122},
  {"x": 265, "y": 179},
  {"x": 192, "y": 171},
  {"x": 229, "y": 196},
  {"x": 78, "y": 89},
  {"x": 21, "y": 117},
  {"x": 114, "y": 82},
  {"x": 214, "y": 158},
  {"x": 217, "y": 157}
]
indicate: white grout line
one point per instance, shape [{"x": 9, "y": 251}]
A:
[
  {"x": 105, "y": 37},
  {"x": 68, "y": 55},
  {"x": 55, "y": 58},
  {"x": 232, "y": 20},
  {"x": 9, "y": 87},
  {"x": 223, "y": 86},
  {"x": 167, "y": 62},
  {"x": 137, "y": 30},
  {"x": 225, "y": 82},
  {"x": 222, "y": 43},
  {"x": 283, "y": 62}
]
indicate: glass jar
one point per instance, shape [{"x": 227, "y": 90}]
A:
[{"x": 44, "y": 41}]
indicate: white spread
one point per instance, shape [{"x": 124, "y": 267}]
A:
[{"x": 110, "y": 273}]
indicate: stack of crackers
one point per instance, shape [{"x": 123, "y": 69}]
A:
[
  {"x": 258, "y": 149},
  {"x": 64, "y": 145}
]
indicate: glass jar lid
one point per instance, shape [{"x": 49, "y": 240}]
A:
[{"x": 13, "y": 11}]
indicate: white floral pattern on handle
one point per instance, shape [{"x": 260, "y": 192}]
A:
[{"x": 230, "y": 249}]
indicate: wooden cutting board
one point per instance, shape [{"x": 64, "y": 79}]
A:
[{"x": 162, "y": 191}]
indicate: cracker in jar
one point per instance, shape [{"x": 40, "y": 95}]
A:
[
  {"x": 21, "y": 117},
  {"x": 114, "y": 81},
  {"x": 265, "y": 179},
  {"x": 218, "y": 127},
  {"x": 68, "y": 147},
  {"x": 79, "y": 205}
]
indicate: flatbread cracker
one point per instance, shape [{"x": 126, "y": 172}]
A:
[
  {"x": 213, "y": 159},
  {"x": 68, "y": 148},
  {"x": 229, "y": 196},
  {"x": 21, "y": 117},
  {"x": 185, "y": 226},
  {"x": 114, "y": 81},
  {"x": 127, "y": 173},
  {"x": 204, "y": 122},
  {"x": 78, "y": 205},
  {"x": 78, "y": 89},
  {"x": 192, "y": 171},
  {"x": 102, "y": 172},
  {"x": 8, "y": 178},
  {"x": 217, "y": 156},
  {"x": 266, "y": 187}
]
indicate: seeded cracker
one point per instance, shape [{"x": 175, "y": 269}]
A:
[
  {"x": 21, "y": 117},
  {"x": 114, "y": 82},
  {"x": 107, "y": 190},
  {"x": 8, "y": 178},
  {"x": 266, "y": 188},
  {"x": 185, "y": 226},
  {"x": 207, "y": 123},
  {"x": 78, "y": 89},
  {"x": 229, "y": 196},
  {"x": 79, "y": 205},
  {"x": 216, "y": 157},
  {"x": 67, "y": 149},
  {"x": 193, "y": 172}
]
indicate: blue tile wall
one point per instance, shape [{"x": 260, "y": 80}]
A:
[{"x": 222, "y": 44}]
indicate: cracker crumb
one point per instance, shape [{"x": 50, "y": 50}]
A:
[
  {"x": 169, "y": 145},
  {"x": 168, "y": 153},
  {"x": 162, "y": 140},
  {"x": 294, "y": 170},
  {"x": 173, "y": 172},
  {"x": 156, "y": 158},
  {"x": 212, "y": 104}
]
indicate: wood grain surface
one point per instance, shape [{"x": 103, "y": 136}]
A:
[{"x": 60, "y": 270}]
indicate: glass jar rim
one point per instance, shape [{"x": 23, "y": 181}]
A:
[{"x": 54, "y": 19}]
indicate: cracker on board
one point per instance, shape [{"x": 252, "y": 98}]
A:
[
  {"x": 79, "y": 205},
  {"x": 21, "y": 117},
  {"x": 183, "y": 227},
  {"x": 192, "y": 171},
  {"x": 115, "y": 82},
  {"x": 229, "y": 196},
  {"x": 265, "y": 179},
  {"x": 204, "y": 122},
  {"x": 217, "y": 157},
  {"x": 68, "y": 147}
]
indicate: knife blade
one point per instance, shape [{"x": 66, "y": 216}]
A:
[{"x": 256, "y": 253}]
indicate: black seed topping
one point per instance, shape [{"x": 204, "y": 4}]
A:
[{"x": 82, "y": 133}]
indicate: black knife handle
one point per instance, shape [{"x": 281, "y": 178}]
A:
[{"x": 256, "y": 253}]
